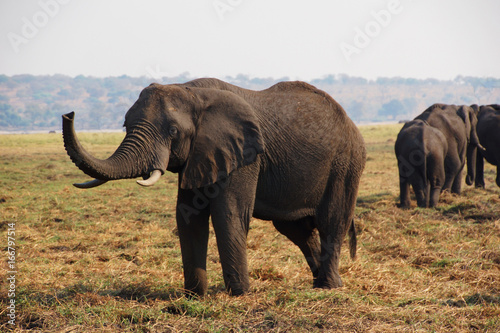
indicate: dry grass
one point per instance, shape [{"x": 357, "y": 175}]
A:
[{"x": 108, "y": 259}]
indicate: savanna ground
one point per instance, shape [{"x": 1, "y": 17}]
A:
[{"x": 108, "y": 259}]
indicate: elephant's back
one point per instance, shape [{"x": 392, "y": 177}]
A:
[
  {"x": 409, "y": 137},
  {"x": 488, "y": 117},
  {"x": 306, "y": 97},
  {"x": 300, "y": 122},
  {"x": 309, "y": 140},
  {"x": 445, "y": 119}
]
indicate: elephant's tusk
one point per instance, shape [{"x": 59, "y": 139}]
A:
[
  {"x": 90, "y": 184},
  {"x": 155, "y": 176}
]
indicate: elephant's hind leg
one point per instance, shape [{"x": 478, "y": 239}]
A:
[
  {"x": 453, "y": 168},
  {"x": 334, "y": 218},
  {"x": 457, "y": 183},
  {"x": 404, "y": 192},
  {"x": 436, "y": 178},
  {"x": 420, "y": 187},
  {"x": 304, "y": 234}
]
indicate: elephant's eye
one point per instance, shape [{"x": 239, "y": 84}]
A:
[{"x": 173, "y": 131}]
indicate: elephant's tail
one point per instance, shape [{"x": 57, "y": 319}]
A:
[{"x": 353, "y": 242}]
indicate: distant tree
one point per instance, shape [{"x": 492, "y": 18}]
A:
[
  {"x": 24, "y": 93},
  {"x": 392, "y": 109},
  {"x": 431, "y": 81},
  {"x": 44, "y": 97},
  {"x": 59, "y": 109},
  {"x": 181, "y": 78},
  {"x": 386, "y": 81},
  {"x": 24, "y": 78},
  {"x": 327, "y": 80},
  {"x": 96, "y": 113},
  {"x": 9, "y": 118},
  {"x": 95, "y": 90},
  {"x": 263, "y": 82},
  {"x": 355, "y": 110},
  {"x": 412, "y": 81},
  {"x": 352, "y": 80},
  {"x": 65, "y": 94},
  {"x": 449, "y": 98},
  {"x": 482, "y": 88},
  {"x": 410, "y": 106},
  {"x": 35, "y": 112}
]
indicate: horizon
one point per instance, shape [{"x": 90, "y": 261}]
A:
[{"x": 34, "y": 102}]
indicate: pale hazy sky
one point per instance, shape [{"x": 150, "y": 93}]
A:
[{"x": 298, "y": 39}]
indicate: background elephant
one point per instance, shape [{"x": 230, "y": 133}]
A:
[
  {"x": 488, "y": 131},
  {"x": 458, "y": 125},
  {"x": 420, "y": 150},
  {"x": 289, "y": 154}
]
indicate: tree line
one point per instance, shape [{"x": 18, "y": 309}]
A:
[{"x": 29, "y": 102}]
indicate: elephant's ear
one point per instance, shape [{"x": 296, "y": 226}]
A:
[
  {"x": 465, "y": 113},
  {"x": 227, "y": 137}
]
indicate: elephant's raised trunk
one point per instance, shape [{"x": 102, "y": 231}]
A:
[{"x": 132, "y": 158}]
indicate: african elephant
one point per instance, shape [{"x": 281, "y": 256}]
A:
[
  {"x": 488, "y": 131},
  {"x": 420, "y": 150},
  {"x": 289, "y": 154},
  {"x": 458, "y": 125}
]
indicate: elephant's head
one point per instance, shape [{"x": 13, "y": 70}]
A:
[
  {"x": 469, "y": 116},
  {"x": 201, "y": 133}
]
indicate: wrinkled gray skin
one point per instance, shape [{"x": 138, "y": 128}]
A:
[
  {"x": 458, "y": 125},
  {"x": 288, "y": 154},
  {"x": 421, "y": 150},
  {"x": 488, "y": 131}
]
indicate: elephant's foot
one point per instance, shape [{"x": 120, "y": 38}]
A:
[
  {"x": 195, "y": 282},
  {"x": 195, "y": 292},
  {"x": 236, "y": 286},
  {"x": 322, "y": 283},
  {"x": 422, "y": 204},
  {"x": 237, "y": 289}
]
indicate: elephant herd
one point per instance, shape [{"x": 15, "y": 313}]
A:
[
  {"x": 288, "y": 154},
  {"x": 433, "y": 149}
]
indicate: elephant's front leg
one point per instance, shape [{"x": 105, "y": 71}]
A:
[
  {"x": 437, "y": 176},
  {"x": 231, "y": 211},
  {"x": 454, "y": 165},
  {"x": 192, "y": 225}
]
